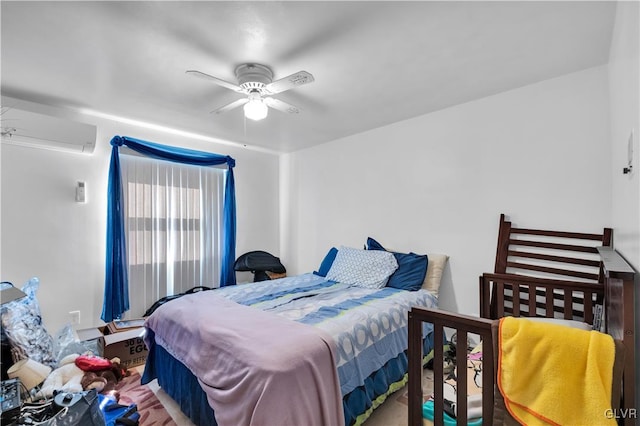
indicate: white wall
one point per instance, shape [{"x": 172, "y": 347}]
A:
[
  {"x": 438, "y": 183},
  {"x": 624, "y": 76},
  {"x": 624, "y": 88},
  {"x": 624, "y": 84},
  {"x": 45, "y": 233}
]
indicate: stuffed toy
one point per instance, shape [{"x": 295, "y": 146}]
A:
[
  {"x": 91, "y": 362},
  {"x": 102, "y": 380},
  {"x": 91, "y": 380},
  {"x": 67, "y": 377}
]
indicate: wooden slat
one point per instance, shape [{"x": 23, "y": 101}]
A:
[
  {"x": 549, "y": 305},
  {"x": 488, "y": 375},
  {"x": 516, "y": 296},
  {"x": 543, "y": 282},
  {"x": 438, "y": 376},
  {"x": 553, "y": 258},
  {"x": 558, "y": 234},
  {"x": 554, "y": 246},
  {"x": 532, "y": 303},
  {"x": 461, "y": 376},
  {"x": 550, "y": 270},
  {"x": 568, "y": 304},
  {"x": 485, "y": 298},
  {"x": 588, "y": 308},
  {"x": 500, "y": 299},
  {"x": 503, "y": 245}
]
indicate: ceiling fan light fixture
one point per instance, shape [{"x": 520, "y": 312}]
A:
[
  {"x": 256, "y": 81},
  {"x": 255, "y": 109}
]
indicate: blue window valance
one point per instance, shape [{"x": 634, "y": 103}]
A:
[{"x": 116, "y": 288}]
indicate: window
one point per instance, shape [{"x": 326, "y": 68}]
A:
[{"x": 173, "y": 219}]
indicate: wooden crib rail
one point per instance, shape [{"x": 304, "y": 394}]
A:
[
  {"x": 462, "y": 325},
  {"x": 558, "y": 255},
  {"x": 518, "y": 295}
]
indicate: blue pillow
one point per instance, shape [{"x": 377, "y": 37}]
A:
[
  {"x": 327, "y": 262},
  {"x": 412, "y": 268}
]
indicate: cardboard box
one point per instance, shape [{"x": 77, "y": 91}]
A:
[{"x": 128, "y": 344}]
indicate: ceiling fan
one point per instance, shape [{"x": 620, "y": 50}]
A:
[{"x": 256, "y": 81}]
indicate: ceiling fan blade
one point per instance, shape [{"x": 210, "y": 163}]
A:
[
  {"x": 281, "y": 106},
  {"x": 216, "y": 80},
  {"x": 229, "y": 107},
  {"x": 294, "y": 80}
]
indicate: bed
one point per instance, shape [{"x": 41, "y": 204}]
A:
[
  {"x": 308, "y": 349},
  {"x": 579, "y": 279}
]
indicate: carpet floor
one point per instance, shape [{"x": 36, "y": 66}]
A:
[{"x": 156, "y": 408}]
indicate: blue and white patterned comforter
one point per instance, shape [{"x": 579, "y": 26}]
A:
[{"x": 368, "y": 326}]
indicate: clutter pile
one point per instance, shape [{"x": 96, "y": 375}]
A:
[
  {"x": 76, "y": 373},
  {"x": 55, "y": 380}
]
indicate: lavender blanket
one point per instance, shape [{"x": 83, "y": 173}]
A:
[{"x": 245, "y": 363}]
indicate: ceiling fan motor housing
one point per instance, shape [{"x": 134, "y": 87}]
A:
[{"x": 253, "y": 76}]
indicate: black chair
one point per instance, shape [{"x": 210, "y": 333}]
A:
[{"x": 259, "y": 263}]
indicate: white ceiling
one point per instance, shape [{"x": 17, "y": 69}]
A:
[{"x": 374, "y": 63}]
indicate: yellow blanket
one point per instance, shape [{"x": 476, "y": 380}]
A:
[{"x": 551, "y": 374}]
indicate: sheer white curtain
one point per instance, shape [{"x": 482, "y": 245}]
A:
[{"x": 173, "y": 218}]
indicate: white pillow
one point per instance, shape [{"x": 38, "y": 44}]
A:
[
  {"x": 362, "y": 268},
  {"x": 435, "y": 267}
]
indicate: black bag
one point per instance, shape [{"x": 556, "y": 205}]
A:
[
  {"x": 82, "y": 408},
  {"x": 166, "y": 299},
  {"x": 259, "y": 262},
  {"x": 65, "y": 409}
]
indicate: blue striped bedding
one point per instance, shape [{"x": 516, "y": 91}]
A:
[{"x": 368, "y": 326}]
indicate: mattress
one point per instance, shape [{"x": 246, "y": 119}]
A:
[{"x": 368, "y": 327}]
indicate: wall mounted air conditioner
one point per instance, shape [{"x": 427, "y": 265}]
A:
[{"x": 30, "y": 129}]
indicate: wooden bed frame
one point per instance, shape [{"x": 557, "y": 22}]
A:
[{"x": 559, "y": 258}]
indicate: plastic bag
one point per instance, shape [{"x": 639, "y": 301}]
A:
[
  {"x": 22, "y": 322},
  {"x": 65, "y": 343}
]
